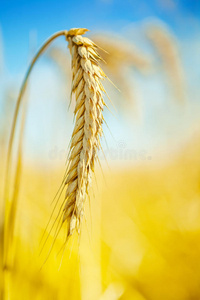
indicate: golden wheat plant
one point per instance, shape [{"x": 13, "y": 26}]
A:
[
  {"x": 85, "y": 142},
  {"x": 166, "y": 47}
]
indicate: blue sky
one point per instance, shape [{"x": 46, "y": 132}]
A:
[
  {"x": 18, "y": 18},
  {"x": 161, "y": 121}
]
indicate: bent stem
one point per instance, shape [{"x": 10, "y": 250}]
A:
[
  {"x": 21, "y": 93},
  {"x": 10, "y": 204}
]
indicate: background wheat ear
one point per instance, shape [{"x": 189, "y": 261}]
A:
[
  {"x": 122, "y": 56},
  {"x": 88, "y": 91},
  {"x": 166, "y": 47}
]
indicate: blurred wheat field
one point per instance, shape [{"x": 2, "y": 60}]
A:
[
  {"x": 140, "y": 239},
  {"x": 140, "y": 234}
]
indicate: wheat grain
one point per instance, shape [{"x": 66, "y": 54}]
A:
[{"x": 87, "y": 87}]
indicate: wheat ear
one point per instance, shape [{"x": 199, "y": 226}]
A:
[
  {"x": 167, "y": 48},
  {"x": 87, "y": 88}
]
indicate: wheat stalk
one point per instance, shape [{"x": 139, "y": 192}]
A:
[{"x": 87, "y": 88}]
